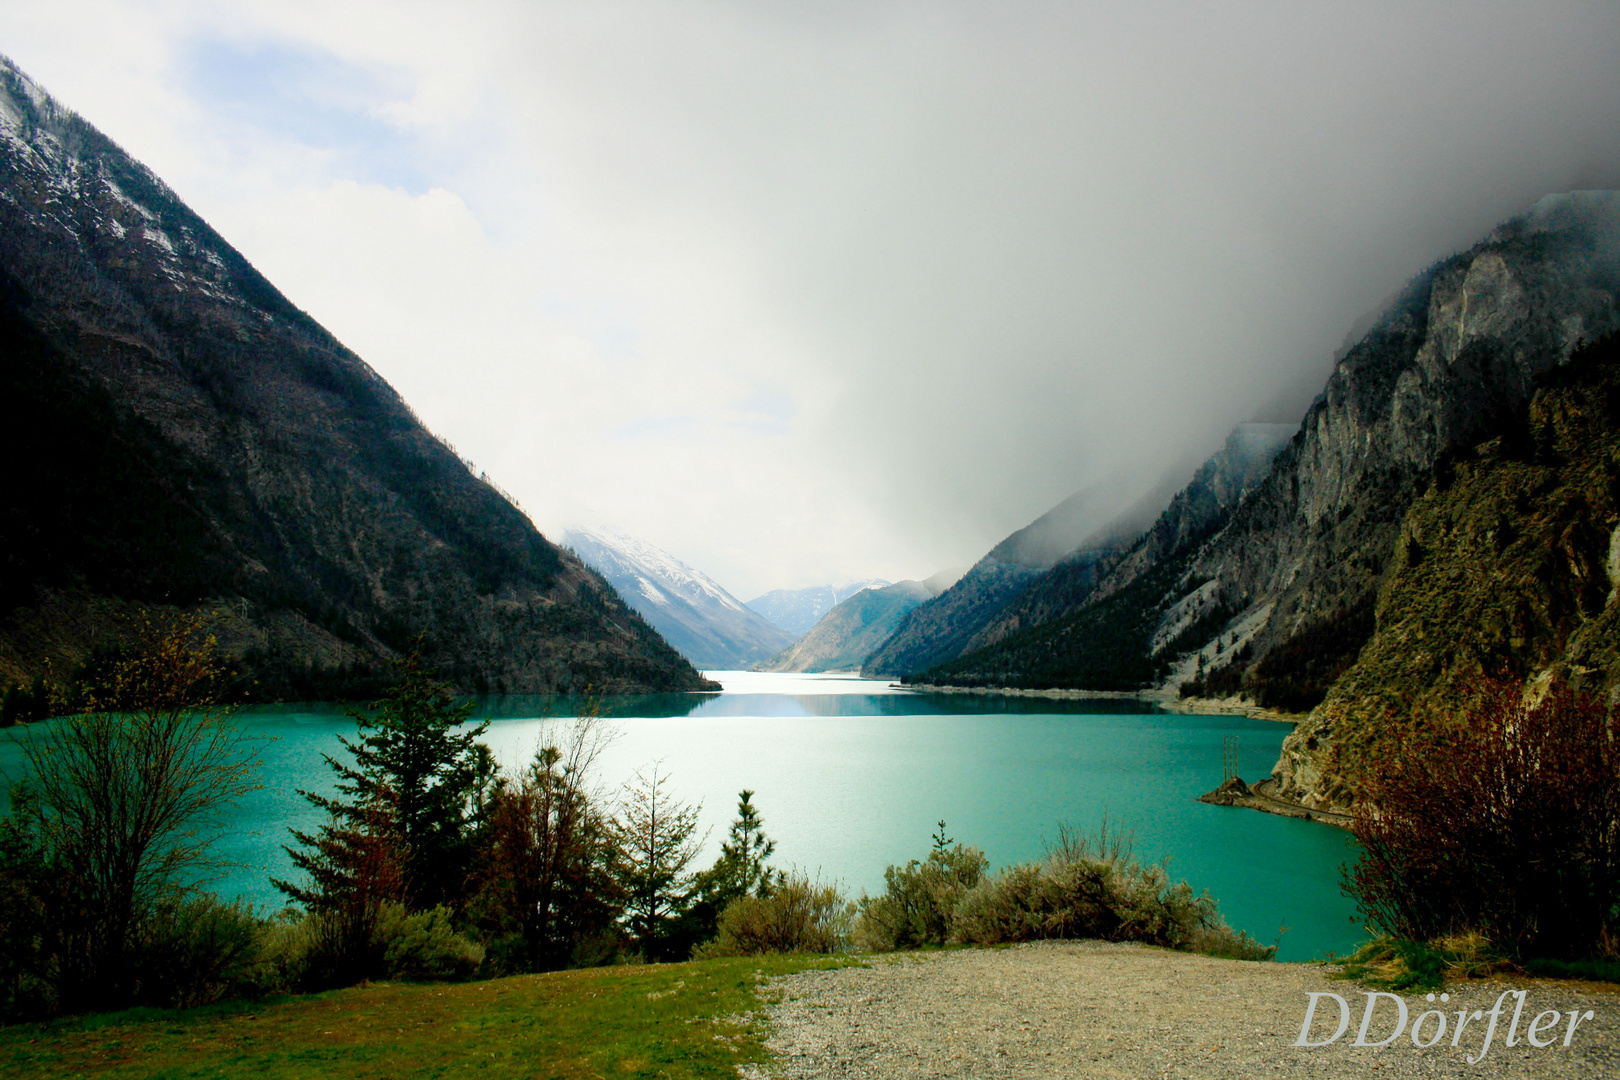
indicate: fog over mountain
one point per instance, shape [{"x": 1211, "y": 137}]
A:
[{"x": 816, "y": 292}]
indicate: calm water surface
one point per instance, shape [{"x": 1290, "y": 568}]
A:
[{"x": 852, "y": 775}]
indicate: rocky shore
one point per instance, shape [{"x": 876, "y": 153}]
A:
[{"x": 1264, "y": 796}]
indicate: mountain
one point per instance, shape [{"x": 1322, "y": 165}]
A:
[
  {"x": 849, "y": 633},
  {"x": 941, "y": 629},
  {"x": 707, "y": 624},
  {"x": 1278, "y": 602},
  {"x": 797, "y": 610},
  {"x": 182, "y": 437},
  {"x": 1507, "y": 565},
  {"x": 1195, "y": 512}
]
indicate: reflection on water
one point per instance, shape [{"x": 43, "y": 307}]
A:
[
  {"x": 852, "y": 775},
  {"x": 755, "y": 693}
]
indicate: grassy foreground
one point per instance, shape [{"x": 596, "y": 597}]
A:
[{"x": 665, "y": 1020}]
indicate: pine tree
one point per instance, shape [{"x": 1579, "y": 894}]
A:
[
  {"x": 658, "y": 839},
  {"x": 399, "y": 828},
  {"x": 742, "y": 868}
]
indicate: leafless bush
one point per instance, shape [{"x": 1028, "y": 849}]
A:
[{"x": 1506, "y": 822}]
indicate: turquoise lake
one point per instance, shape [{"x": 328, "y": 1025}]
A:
[{"x": 853, "y": 775}]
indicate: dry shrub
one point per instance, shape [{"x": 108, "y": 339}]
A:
[
  {"x": 797, "y": 916},
  {"x": 1093, "y": 887},
  {"x": 309, "y": 952},
  {"x": 1506, "y": 824},
  {"x": 112, "y": 823},
  {"x": 919, "y": 898}
]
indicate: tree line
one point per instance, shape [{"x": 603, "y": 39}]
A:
[
  {"x": 1492, "y": 842},
  {"x": 431, "y": 862}
]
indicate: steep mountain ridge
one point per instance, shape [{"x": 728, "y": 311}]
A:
[
  {"x": 944, "y": 627},
  {"x": 695, "y": 614},
  {"x": 1278, "y": 602},
  {"x": 797, "y": 610},
  {"x": 187, "y": 438},
  {"x": 850, "y": 632},
  {"x": 1195, "y": 512},
  {"x": 1508, "y": 566}
]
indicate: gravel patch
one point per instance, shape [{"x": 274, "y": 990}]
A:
[{"x": 1090, "y": 1009}]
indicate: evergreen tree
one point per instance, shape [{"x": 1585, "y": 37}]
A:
[
  {"x": 400, "y": 826},
  {"x": 658, "y": 840},
  {"x": 741, "y": 870}
]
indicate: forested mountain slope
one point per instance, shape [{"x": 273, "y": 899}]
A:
[{"x": 180, "y": 436}]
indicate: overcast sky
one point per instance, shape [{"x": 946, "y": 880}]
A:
[{"x": 805, "y": 292}]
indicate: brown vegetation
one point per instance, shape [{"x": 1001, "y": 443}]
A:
[{"x": 1506, "y": 823}]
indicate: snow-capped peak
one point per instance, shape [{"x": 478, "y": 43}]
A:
[{"x": 692, "y": 610}]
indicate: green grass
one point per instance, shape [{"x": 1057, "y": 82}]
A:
[
  {"x": 663, "y": 1020},
  {"x": 1397, "y": 964}
]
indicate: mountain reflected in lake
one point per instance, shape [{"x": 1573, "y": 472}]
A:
[{"x": 764, "y": 694}]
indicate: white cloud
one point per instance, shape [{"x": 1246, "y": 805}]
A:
[{"x": 804, "y": 293}]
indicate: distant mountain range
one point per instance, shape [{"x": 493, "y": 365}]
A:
[
  {"x": 797, "y": 610},
  {"x": 180, "y": 437},
  {"x": 709, "y": 626},
  {"x": 852, "y": 630}
]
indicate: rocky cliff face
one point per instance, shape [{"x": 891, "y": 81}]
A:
[
  {"x": 183, "y": 437},
  {"x": 1508, "y": 566},
  {"x": 1452, "y": 362},
  {"x": 1277, "y": 599}
]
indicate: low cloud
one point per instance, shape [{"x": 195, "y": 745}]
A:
[{"x": 871, "y": 285}]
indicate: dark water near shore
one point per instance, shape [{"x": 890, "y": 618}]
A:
[{"x": 852, "y": 776}]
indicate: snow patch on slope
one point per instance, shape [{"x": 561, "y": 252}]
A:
[{"x": 692, "y": 610}]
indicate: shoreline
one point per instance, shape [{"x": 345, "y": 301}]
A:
[
  {"x": 1168, "y": 702},
  {"x": 1259, "y": 797}
]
